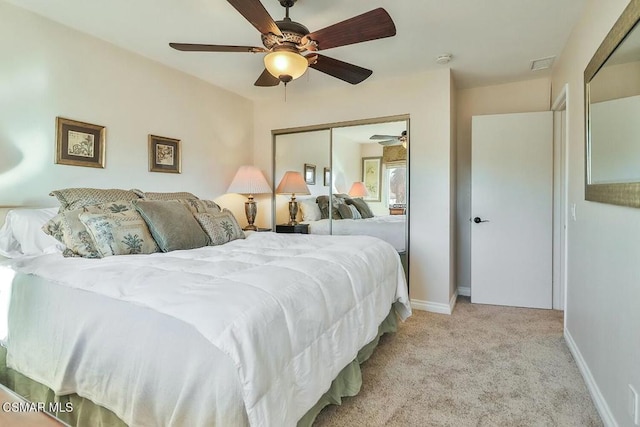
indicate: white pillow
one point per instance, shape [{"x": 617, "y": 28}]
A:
[
  {"x": 310, "y": 210},
  {"x": 22, "y": 233}
]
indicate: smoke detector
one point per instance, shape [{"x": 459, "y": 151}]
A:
[{"x": 443, "y": 59}]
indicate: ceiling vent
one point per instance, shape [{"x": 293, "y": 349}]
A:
[{"x": 542, "y": 64}]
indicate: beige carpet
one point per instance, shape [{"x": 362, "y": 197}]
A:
[{"x": 482, "y": 366}]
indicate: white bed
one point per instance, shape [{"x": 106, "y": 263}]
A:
[
  {"x": 256, "y": 329},
  {"x": 390, "y": 228}
]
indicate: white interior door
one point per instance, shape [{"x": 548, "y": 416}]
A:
[{"x": 512, "y": 190}]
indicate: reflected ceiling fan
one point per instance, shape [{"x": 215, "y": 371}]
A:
[
  {"x": 387, "y": 140},
  {"x": 285, "y": 43}
]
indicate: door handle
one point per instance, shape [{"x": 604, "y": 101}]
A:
[{"x": 478, "y": 220}]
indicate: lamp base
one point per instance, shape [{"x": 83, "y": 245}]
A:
[
  {"x": 250, "y": 209},
  {"x": 293, "y": 211}
]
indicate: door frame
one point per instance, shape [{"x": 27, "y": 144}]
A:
[{"x": 560, "y": 110}]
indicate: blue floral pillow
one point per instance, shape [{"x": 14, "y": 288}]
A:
[{"x": 120, "y": 233}]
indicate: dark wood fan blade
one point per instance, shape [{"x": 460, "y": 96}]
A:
[
  {"x": 376, "y": 24},
  {"x": 384, "y": 137},
  {"x": 266, "y": 79},
  {"x": 188, "y": 47},
  {"x": 254, "y": 12},
  {"x": 339, "y": 69}
]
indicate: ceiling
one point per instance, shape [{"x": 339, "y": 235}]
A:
[{"x": 492, "y": 41}]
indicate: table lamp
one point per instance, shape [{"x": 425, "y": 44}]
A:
[
  {"x": 249, "y": 180},
  {"x": 291, "y": 183},
  {"x": 358, "y": 190}
]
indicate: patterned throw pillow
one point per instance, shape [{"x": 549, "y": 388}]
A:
[
  {"x": 67, "y": 228},
  {"x": 165, "y": 196},
  {"x": 75, "y": 198},
  {"x": 121, "y": 233},
  {"x": 221, "y": 228},
  {"x": 201, "y": 206}
]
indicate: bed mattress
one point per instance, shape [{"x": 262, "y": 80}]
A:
[{"x": 263, "y": 324}]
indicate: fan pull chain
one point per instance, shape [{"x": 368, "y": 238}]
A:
[{"x": 285, "y": 91}]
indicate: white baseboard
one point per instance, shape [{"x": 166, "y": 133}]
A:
[
  {"x": 594, "y": 390},
  {"x": 435, "y": 307},
  {"x": 465, "y": 291}
]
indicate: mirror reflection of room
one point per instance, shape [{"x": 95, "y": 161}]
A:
[
  {"x": 614, "y": 105},
  {"x": 357, "y": 185}
]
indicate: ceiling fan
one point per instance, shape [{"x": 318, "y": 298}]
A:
[
  {"x": 391, "y": 139},
  {"x": 286, "y": 41}
]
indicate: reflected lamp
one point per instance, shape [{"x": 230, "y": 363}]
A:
[
  {"x": 292, "y": 183},
  {"x": 358, "y": 190}
]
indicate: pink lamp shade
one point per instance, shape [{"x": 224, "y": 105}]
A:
[
  {"x": 249, "y": 180},
  {"x": 292, "y": 183},
  {"x": 358, "y": 190}
]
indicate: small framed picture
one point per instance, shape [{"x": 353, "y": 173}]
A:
[
  {"x": 164, "y": 154},
  {"x": 79, "y": 143},
  {"x": 309, "y": 174},
  {"x": 327, "y": 177},
  {"x": 372, "y": 177}
]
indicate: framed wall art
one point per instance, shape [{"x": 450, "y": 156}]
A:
[
  {"x": 309, "y": 174},
  {"x": 79, "y": 143},
  {"x": 372, "y": 177},
  {"x": 327, "y": 177},
  {"x": 164, "y": 154}
]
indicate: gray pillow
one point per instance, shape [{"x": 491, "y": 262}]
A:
[
  {"x": 323, "y": 204},
  {"x": 345, "y": 211},
  {"x": 172, "y": 224},
  {"x": 362, "y": 207}
]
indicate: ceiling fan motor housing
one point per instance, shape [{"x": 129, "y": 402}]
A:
[{"x": 292, "y": 32}]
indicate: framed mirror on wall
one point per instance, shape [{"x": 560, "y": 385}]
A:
[
  {"x": 364, "y": 189},
  {"x": 612, "y": 108}
]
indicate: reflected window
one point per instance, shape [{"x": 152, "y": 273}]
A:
[{"x": 396, "y": 185}]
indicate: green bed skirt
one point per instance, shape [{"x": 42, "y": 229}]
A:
[{"x": 87, "y": 413}]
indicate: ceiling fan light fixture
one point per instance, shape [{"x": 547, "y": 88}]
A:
[{"x": 286, "y": 64}]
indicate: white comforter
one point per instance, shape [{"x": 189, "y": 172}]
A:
[
  {"x": 390, "y": 228},
  {"x": 289, "y": 311}
]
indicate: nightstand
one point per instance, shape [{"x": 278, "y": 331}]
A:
[
  {"x": 298, "y": 228},
  {"x": 396, "y": 211}
]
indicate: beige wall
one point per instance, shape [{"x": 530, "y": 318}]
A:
[
  {"x": 520, "y": 97},
  {"x": 427, "y": 98},
  {"x": 603, "y": 290},
  {"x": 49, "y": 70}
]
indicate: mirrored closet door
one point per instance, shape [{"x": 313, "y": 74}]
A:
[{"x": 350, "y": 178}]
